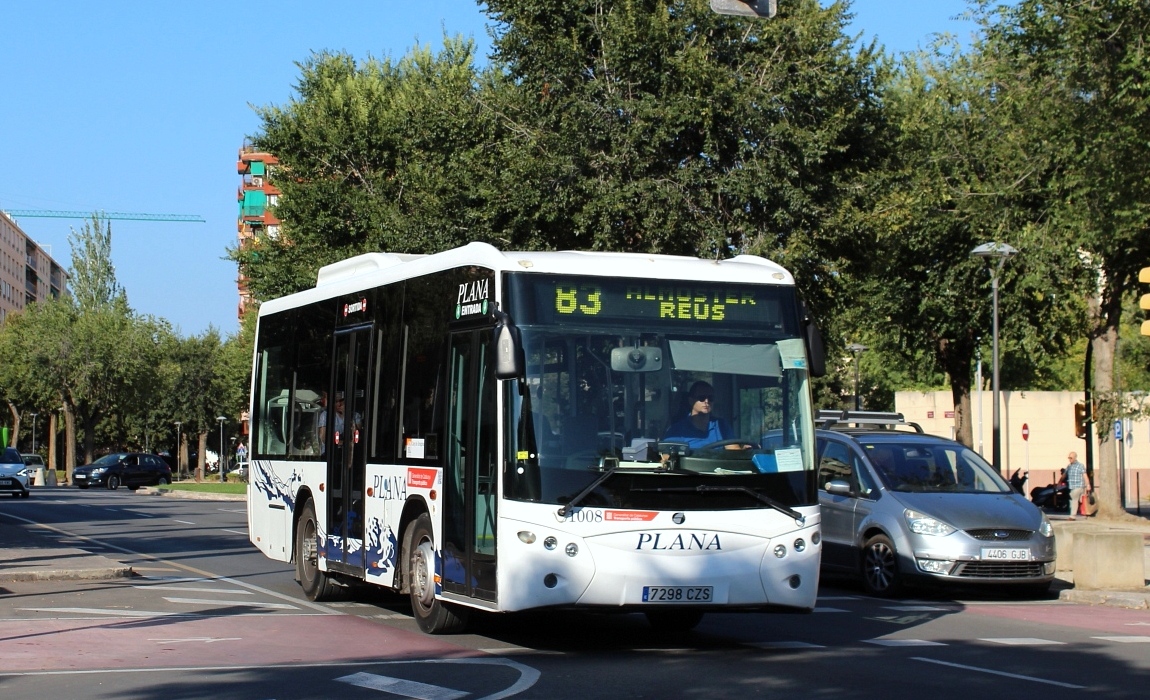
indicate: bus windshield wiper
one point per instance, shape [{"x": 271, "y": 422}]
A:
[
  {"x": 578, "y": 498},
  {"x": 800, "y": 519}
]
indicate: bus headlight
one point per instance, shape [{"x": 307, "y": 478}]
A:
[
  {"x": 780, "y": 550},
  {"x": 549, "y": 542},
  {"x": 526, "y": 537},
  {"x": 572, "y": 549}
]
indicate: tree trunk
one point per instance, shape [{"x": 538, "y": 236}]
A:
[
  {"x": 13, "y": 440},
  {"x": 70, "y": 437},
  {"x": 1106, "y": 481},
  {"x": 203, "y": 447},
  {"x": 52, "y": 427}
]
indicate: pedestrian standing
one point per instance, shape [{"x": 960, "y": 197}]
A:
[{"x": 1077, "y": 481}]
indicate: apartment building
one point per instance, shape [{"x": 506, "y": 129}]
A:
[
  {"x": 257, "y": 197},
  {"x": 27, "y": 272}
]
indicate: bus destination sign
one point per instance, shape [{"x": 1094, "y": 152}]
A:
[{"x": 584, "y": 299}]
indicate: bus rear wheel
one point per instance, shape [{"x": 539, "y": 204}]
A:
[
  {"x": 316, "y": 584},
  {"x": 433, "y": 615}
]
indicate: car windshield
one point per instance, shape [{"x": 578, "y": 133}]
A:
[
  {"x": 32, "y": 459},
  {"x": 923, "y": 467},
  {"x": 110, "y": 460},
  {"x": 11, "y": 456}
]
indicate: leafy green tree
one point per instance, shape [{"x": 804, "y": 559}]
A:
[
  {"x": 959, "y": 176},
  {"x": 376, "y": 155},
  {"x": 1080, "y": 74}
]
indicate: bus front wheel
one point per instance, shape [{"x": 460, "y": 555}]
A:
[
  {"x": 316, "y": 584},
  {"x": 433, "y": 615}
]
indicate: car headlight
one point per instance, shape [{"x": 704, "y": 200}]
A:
[
  {"x": 922, "y": 524},
  {"x": 1046, "y": 529},
  {"x": 99, "y": 470}
]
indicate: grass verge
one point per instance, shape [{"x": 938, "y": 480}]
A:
[{"x": 206, "y": 487}]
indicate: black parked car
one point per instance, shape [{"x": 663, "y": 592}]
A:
[{"x": 132, "y": 469}]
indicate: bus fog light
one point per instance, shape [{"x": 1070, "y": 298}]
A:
[
  {"x": 800, "y": 544},
  {"x": 572, "y": 549},
  {"x": 816, "y": 538},
  {"x": 526, "y": 537},
  {"x": 795, "y": 581},
  {"x": 935, "y": 566},
  {"x": 780, "y": 550},
  {"x": 550, "y": 542},
  {"x": 550, "y": 580}
]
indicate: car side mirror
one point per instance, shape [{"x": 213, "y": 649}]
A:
[{"x": 838, "y": 487}]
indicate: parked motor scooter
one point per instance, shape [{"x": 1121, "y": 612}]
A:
[{"x": 1052, "y": 496}]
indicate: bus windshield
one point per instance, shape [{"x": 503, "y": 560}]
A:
[{"x": 688, "y": 410}]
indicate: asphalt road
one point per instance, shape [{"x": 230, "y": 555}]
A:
[{"x": 206, "y": 615}]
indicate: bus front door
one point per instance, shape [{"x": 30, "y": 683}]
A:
[
  {"x": 345, "y": 446},
  {"x": 469, "y": 555}
]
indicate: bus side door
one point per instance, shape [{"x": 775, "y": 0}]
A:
[
  {"x": 346, "y": 449},
  {"x": 469, "y": 553}
]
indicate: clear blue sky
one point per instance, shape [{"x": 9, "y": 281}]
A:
[{"x": 141, "y": 106}]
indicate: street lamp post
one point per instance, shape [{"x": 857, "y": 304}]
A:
[
  {"x": 223, "y": 474},
  {"x": 34, "y": 431},
  {"x": 999, "y": 253},
  {"x": 857, "y": 349},
  {"x": 179, "y": 452}
]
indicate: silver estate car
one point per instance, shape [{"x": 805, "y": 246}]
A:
[{"x": 899, "y": 505}]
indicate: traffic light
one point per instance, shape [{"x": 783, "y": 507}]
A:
[
  {"x": 1144, "y": 301},
  {"x": 1080, "y": 420}
]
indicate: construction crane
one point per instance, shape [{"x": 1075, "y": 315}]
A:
[{"x": 51, "y": 214}]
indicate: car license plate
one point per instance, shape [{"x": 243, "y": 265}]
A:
[
  {"x": 1005, "y": 554},
  {"x": 5, "y": 482},
  {"x": 677, "y": 594}
]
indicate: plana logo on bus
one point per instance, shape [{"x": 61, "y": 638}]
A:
[
  {"x": 678, "y": 541},
  {"x": 472, "y": 298}
]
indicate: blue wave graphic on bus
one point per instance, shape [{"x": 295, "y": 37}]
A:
[
  {"x": 332, "y": 547},
  {"x": 381, "y": 548},
  {"x": 273, "y": 488}
]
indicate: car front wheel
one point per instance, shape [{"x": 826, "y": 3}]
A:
[
  {"x": 113, "y": 483},
  {"x": 880, "y": 575}
]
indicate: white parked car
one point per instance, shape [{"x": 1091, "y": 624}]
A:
[{"x": 13, "y": 473}]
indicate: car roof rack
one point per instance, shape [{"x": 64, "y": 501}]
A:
[{"x": 828, "y": 419}]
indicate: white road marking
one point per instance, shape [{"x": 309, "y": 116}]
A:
[
  {"x": 185, "y": 522},
  {"x": 101, "y": 611},
  {"x": 785, "y": 645},
  {"x": 915, "y": 608},
  {"x": 232, "y": 510},
  {"x": 191, "y": 589},
  {"x": 904, "y": 643},
  {"x": 1126, "y": 640},
  {"x": 205, "y": 640},
  {"x": 999, "y": 673},
  {"x": 1020, "y": 641},
  {"x": 237, "y": 532},
  {"x": 244, "y": 603},
  {"x": 404, "y": 688},
  {"x": 838, "y": 597},
  {"x": 828, "y": 610}
]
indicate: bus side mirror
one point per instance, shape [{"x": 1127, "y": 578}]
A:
[
  {"x": 815, "y": 348},
  {"x": 508, "y": 349}
]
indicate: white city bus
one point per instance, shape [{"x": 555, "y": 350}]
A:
[{"x": 488, "y": 430}]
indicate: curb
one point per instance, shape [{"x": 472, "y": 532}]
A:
[
  {"x": 1135, "y": 600},
  {"x": 74, "y": 565},
  {"x": 195, "y": 495}
]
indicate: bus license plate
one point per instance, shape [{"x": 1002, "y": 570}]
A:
[
  {"x": 1005, "y": 554},
  {"x": 677, "y": 594}
]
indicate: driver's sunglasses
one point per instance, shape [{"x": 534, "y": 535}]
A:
[{"x": 706, "y": 397}]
